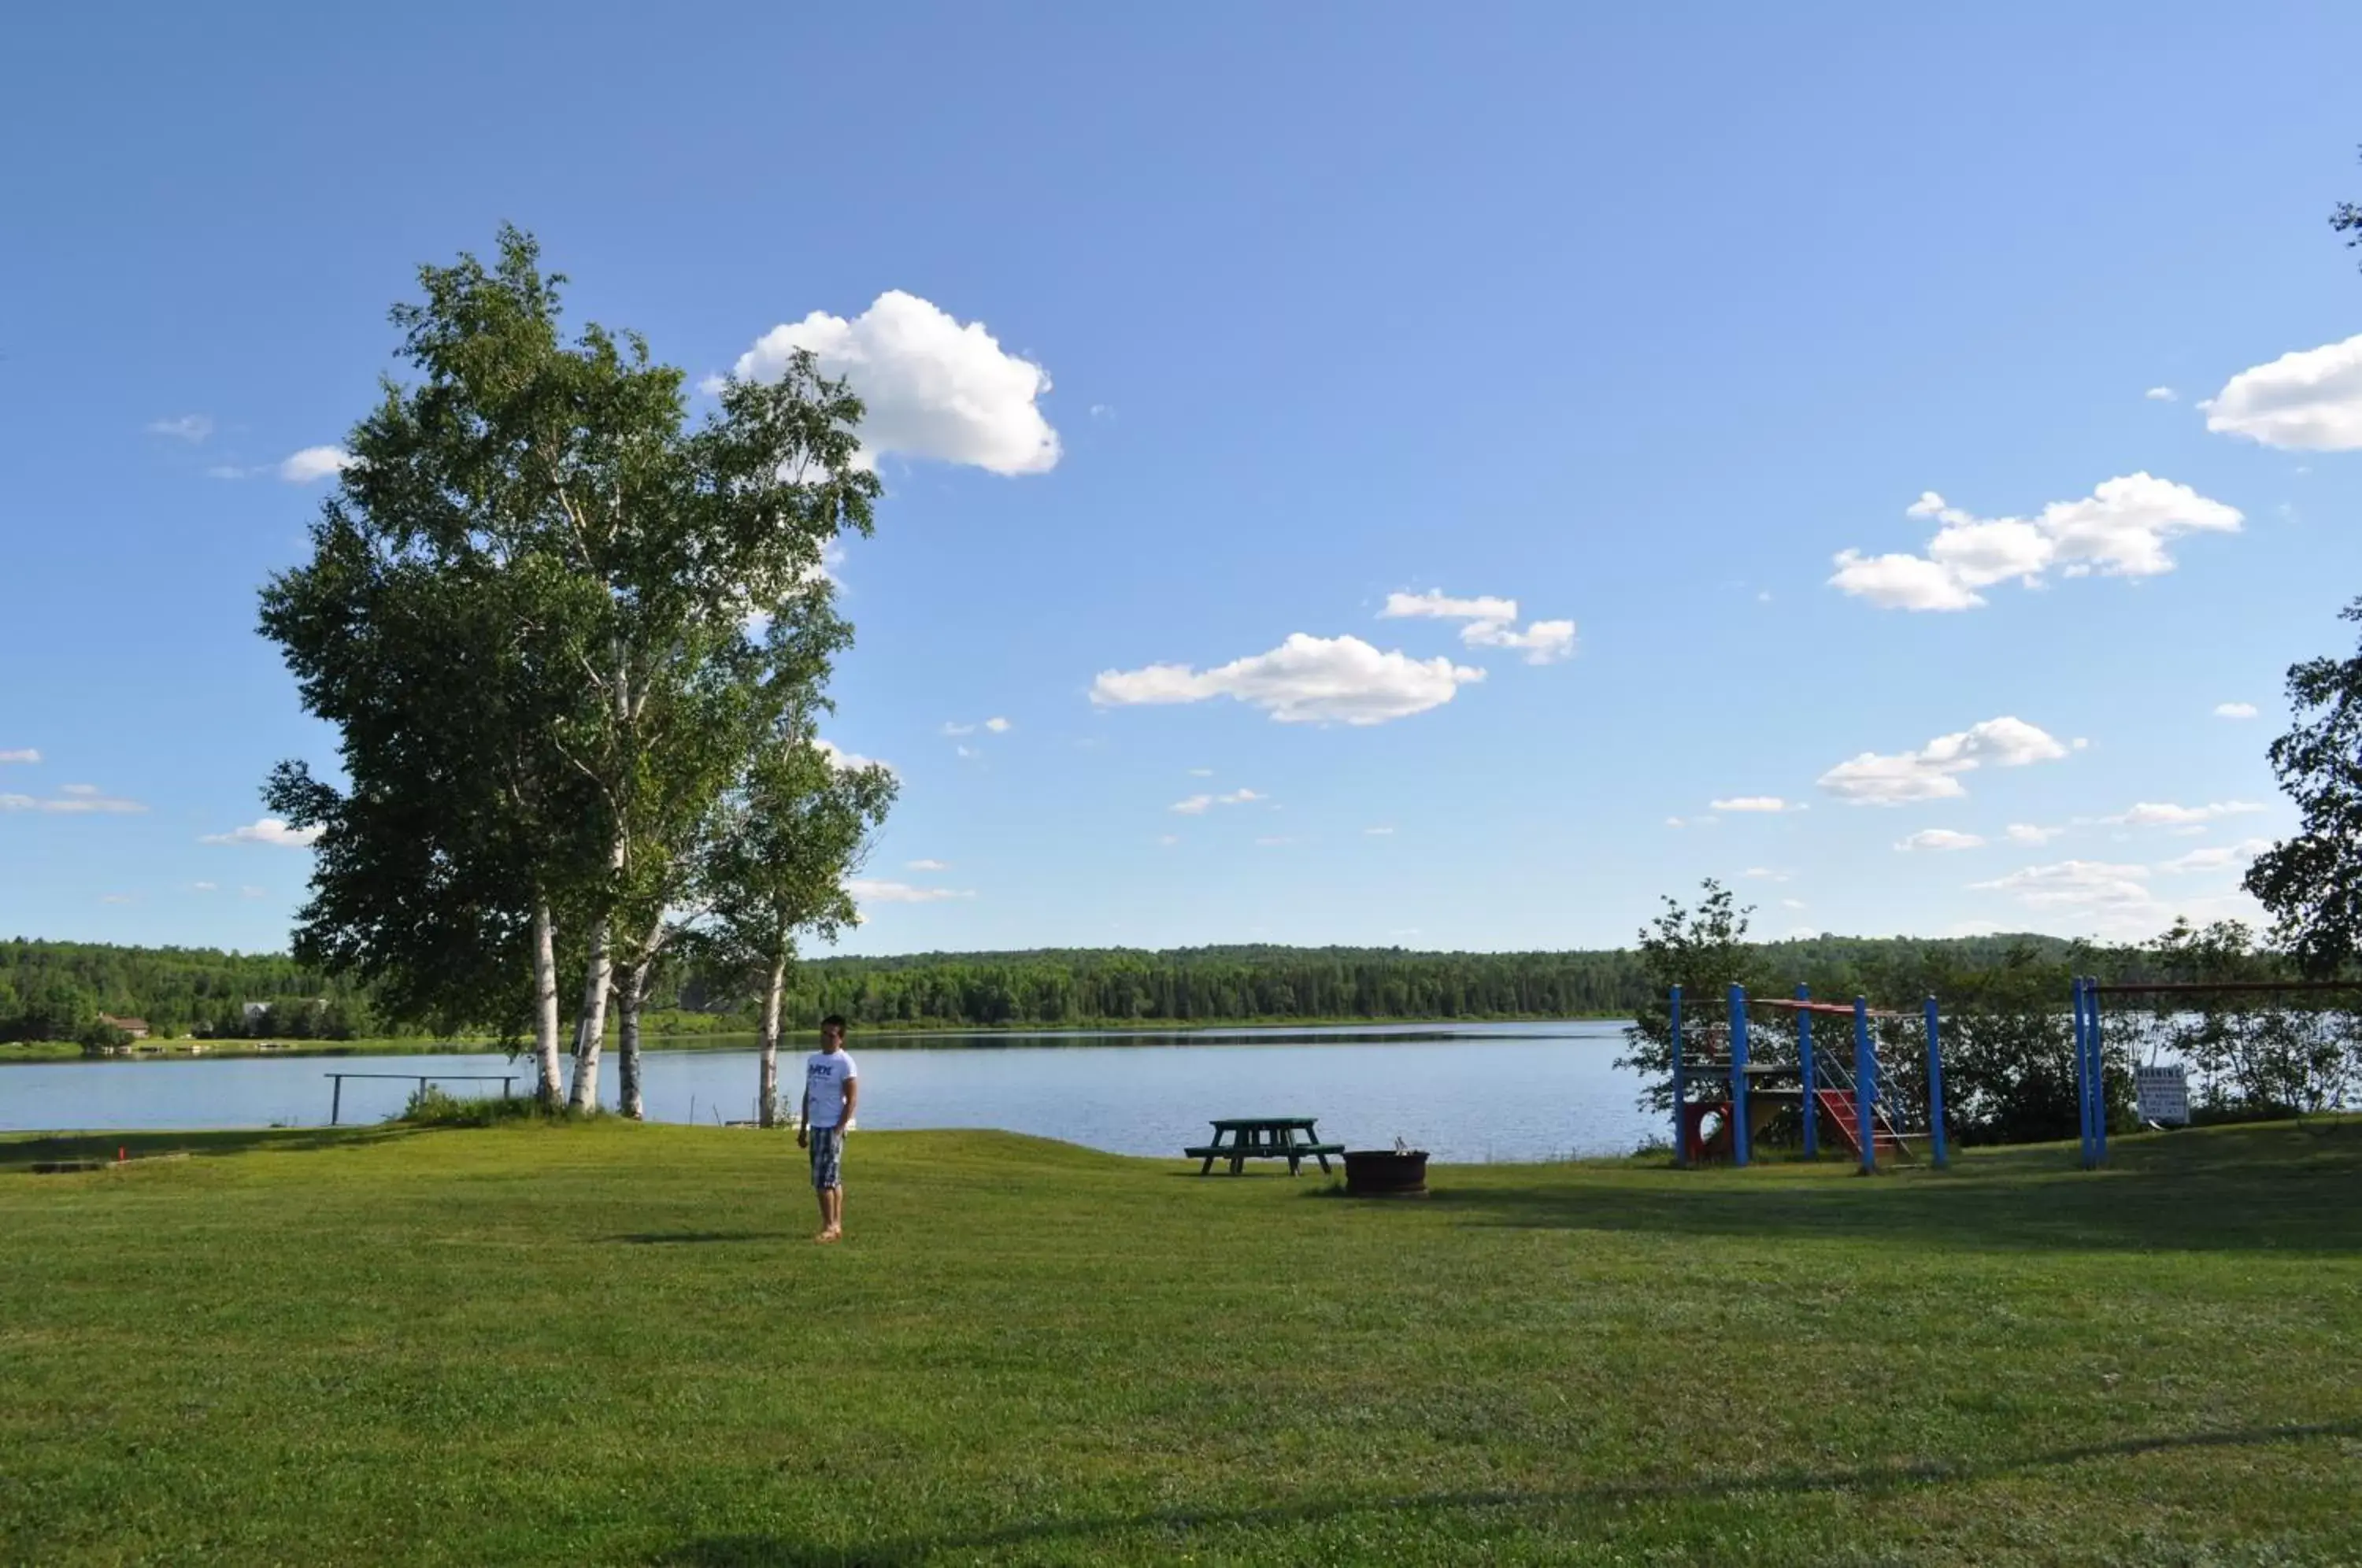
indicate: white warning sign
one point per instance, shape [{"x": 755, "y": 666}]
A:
[{"x": 2164, "y": 1095}]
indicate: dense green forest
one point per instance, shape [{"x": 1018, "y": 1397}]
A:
[{"x": 56, "y": 990}]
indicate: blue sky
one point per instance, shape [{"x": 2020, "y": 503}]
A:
[{"x": 1258, "y": 316}]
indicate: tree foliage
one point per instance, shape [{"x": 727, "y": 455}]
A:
[
  {"x": 527, "y": 614},
  {"x": 2312, "y": 883}
]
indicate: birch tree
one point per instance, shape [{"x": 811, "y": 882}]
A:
[
  {"x": 776, "y": 870},
  {"x": 588, "y": 563}
]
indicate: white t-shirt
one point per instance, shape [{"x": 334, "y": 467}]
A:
[{"x": 825, "y": 1075}]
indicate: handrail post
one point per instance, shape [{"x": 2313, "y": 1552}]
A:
[
  {"x": 1737, "y": 1074},
  {"x": 1681, "y": 1138},
  {"x": 1935, "y": 1091},
  {"x": 1812, "y": 1079},
  {"x": 336, "y": 1097},
  {"x": 2082, "y": 1073},
  {"x": 2099, "y": 1074},
  {"x": 1865, "y": 1088}
]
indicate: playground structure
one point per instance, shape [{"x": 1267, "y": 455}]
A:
[
  {"x": 1728, "y": 1094},
  {"x": 2290, "y": 1043}
]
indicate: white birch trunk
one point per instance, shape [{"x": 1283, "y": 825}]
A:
[
  {"x": 590, "y": 1028},
  {"x": 628, "y": 998},
  {"x": 591, "y": 1031},
  {"x": 766, "y": 1103},
  {"x": 547, "y": 1087}
]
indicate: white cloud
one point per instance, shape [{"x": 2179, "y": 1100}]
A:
[
  {"x": 2086, "y": 884},
  {"x": 2121, "y": 529},
  {"x": 1195, "y": 805},
  {"x": 2235, "y": 710},
  {"x": 2310, "y": 400},
  {"x": 1940, "y": 838},
  {"x": 930, "y": 387},
  {"x": 2161, "y": 395},
  {"x": 1792, "y": 904},
  {"x": 22, "y": 753},
  {"x": 1168, "y": 840},
  {"x": 69, "y": 805},
  {"x": 2159, "y": 813},
  {"x": 926, "y": 866},
  {"x": 191, "y": 427},
  {"x": 1765, "y": 803},
  {"x": 314, "y": 463},
  {"x": 1675, "y": 822},
  {"x": 268, "y": 830},
  {"x": 846, "y": 761},
  {"x": 868, "y": 891},
  {"x": 952, "y": 729},
  {"x": 2028, "y": 832},
  {"x": 2217, "y": 857},
  {"x": 1379, "y": 832},
  {"x": 1542, "y": 642},
  {"x": 998, "y": 725},
  {"x": 77, "y": 789},
  {"x": 1931, "y": 773},
  {"x": 204, "y": 887},
  {"x": 1437, "y": 605},
  {"x": 1489, "y": 618},
  {"x": 1305, "y": 680}
]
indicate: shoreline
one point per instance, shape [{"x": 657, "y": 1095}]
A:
[{"x": 877, "y": 1037}]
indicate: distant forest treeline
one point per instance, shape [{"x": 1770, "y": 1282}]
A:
[{"x": 55, "y": 990}]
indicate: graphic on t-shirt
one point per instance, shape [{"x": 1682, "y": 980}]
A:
[{"x": 825, "y": 1075}]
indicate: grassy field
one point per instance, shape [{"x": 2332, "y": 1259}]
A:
[{"x": 615, "y": 1343}]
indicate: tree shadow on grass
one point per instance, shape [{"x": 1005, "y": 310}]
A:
[
  {"x": 692, "y": 1238},
  {"x": 17, "y": 1153},
  {"x": 2280, "y": 1189},
  {"x": 1866, "y": 1481}
]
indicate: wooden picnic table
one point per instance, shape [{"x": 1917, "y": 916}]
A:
[{"x": 1239, "y": 1139}]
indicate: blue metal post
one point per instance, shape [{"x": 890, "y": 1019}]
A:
[
  {"x": 2098, "y": 1074},
  {"x": 2082, "y": 1075},
  {"x": 1680, "y": 1145},
  {"x": 1739, "y": 1075},
  {"x": 1935, "y": 1091},
  {"x": 1865, "y": 1087},
  {"x": 1812, "y": 1081}
]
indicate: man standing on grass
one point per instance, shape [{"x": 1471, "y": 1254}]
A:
[{"x": 830, "y": 1091}]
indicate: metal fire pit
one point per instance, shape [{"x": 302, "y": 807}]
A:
[{"x": 1386, "y": 1172}]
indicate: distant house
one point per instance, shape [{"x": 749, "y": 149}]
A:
[
  {"x": 135, "y": 1027},
  {"x": 255, "y": 1010}
]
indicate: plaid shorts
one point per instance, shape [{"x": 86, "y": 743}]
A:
[{"x": 827, "y": 1150}]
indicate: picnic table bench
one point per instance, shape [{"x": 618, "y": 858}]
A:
[{"x": 1239, "y": 1139}]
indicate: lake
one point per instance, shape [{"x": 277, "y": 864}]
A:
[{"x": 1465, "y": 1092}]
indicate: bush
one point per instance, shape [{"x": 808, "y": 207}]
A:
[{"x": 432, "y": 1106}]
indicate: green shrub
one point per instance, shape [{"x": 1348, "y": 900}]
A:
[{"x": 433, "y": 1106}]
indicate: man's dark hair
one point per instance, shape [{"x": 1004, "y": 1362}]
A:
[{"x": 833, "y": 1020}]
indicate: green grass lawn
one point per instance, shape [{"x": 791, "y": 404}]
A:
[{"x": 616, "y": 1344}]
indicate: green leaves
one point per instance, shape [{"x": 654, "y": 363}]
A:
[{"x": 2312, "y": 883}]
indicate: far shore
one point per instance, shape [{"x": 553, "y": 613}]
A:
[{"x": 882, "y": 1036}]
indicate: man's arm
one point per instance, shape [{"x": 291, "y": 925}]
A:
[
  {"x": 852, "y": 1098},
  {"x": 803, "y": 1112}
]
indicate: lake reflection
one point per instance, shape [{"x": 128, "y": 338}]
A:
[{"x": 1467, "y": 1092}]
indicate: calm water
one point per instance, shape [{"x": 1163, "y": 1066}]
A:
[{"x": 1511, "y": 1092}]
